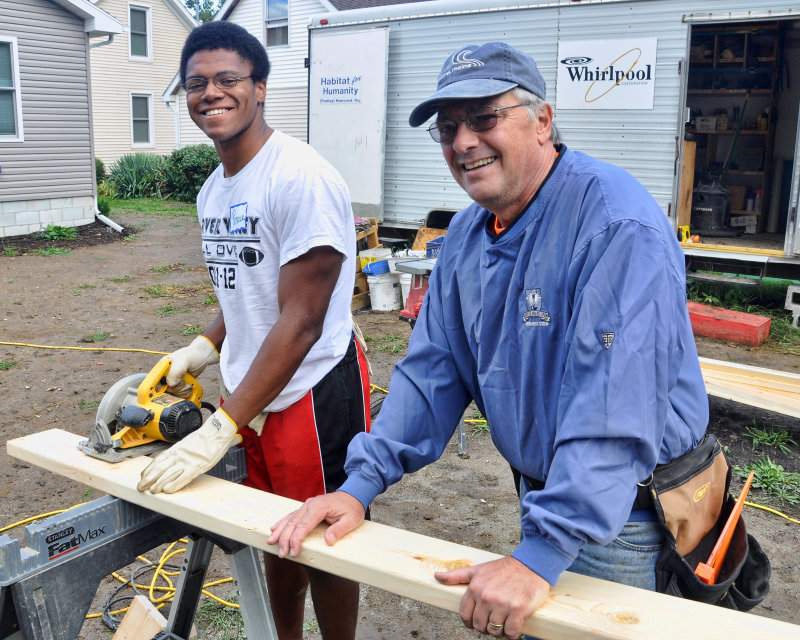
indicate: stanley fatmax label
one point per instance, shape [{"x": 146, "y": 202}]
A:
[{"x": 69, "y": 539}]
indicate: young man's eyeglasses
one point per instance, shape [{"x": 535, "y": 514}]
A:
[
  {"x": 198, "y": 83},
  {"x": 482, "y": 119}
]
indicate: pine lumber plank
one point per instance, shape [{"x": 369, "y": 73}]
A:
[
  {"x": 778, "y": 253},
  {"x": 142, "y": 620},
  {"x": 759, "y": 373},
  {"x": 399, "y": 561},
  {"x": 687, "y": 181},
  {"x": 777, "y": 391}
]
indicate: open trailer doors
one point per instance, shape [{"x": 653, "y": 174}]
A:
[
  {"x": 792, "y": 235},
  {"x": 742, "y": 96}
]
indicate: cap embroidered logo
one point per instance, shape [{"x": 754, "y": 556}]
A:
[{"x": 459, "y": 61}]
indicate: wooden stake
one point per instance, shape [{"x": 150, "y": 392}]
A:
[{"x": 141, "y": 621}]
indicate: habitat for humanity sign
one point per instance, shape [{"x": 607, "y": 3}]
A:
[
  {"x": 606, "y": 74},
  {"x": 340, "y": 89}
]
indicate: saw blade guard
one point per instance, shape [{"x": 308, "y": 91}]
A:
[{"x": 120, "y": 395}]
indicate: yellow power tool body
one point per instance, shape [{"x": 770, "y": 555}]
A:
[{"x": 139, "y": 416}]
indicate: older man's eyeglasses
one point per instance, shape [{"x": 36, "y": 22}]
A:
[
  {"x": 482, "y": 119},
  {"x": 198, "y": 83}
]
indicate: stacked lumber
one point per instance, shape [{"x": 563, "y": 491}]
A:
[
  {"x": 764, "y": 388},
  {"x": 400, "y": 561}
]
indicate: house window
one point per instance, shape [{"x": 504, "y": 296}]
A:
[
  {"x": 10, "y": 102},
  {"x": 277, "y": 23},
  {"x": 142, "y": 120},
  {"x": 139, "y": 33}
]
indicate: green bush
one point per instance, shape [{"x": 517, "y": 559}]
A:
[
  {"x": 139, "y": 175},
  {"x": 187, "y": 170},
  {"x": 55, "y": 232},
  {"x": 104, "y": 205},
  {"x": 99, "y": 170},
  {"x": 106, "y": 188}
]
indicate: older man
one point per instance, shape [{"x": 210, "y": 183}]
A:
[{"x": 558, "y": 305}]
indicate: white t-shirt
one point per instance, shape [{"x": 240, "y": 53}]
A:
[{"x": 287, "y": 200}]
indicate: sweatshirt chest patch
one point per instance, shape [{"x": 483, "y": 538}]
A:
[{"x": 536, "y": 315}]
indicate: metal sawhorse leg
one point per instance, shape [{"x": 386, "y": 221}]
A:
[{"x": 247, "y": 577}]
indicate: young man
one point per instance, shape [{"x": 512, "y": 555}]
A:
[
  {"x": 279, "y": 242},
  {"x": 558, "y": 304}
]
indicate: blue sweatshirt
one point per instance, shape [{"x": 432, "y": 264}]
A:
[{"x": 571, "y": 333}]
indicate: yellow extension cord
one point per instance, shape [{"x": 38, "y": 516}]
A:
[{"x": 160, "y": 572}]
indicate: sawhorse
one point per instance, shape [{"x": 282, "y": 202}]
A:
[{"x": 46, "y": 588}]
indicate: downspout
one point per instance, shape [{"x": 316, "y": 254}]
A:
[
  {"x": 99, "y": 216},
  {"x": 104, "y": 42},
  {"x": 177, "y": 122}
]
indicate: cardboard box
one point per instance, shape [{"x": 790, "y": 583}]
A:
[
  {"x": 705, "y": 123},
  {"x": 738, "y": 194}
]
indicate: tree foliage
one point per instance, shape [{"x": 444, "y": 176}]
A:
[{"x": 203, "y": 10}]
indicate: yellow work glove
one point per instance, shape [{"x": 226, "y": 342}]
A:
[
  {"x": 192, "y": 359},
  {"x": 176, "y": 467}
]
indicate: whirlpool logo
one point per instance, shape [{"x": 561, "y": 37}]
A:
[
  {"x": 606, "y": 74},
  {"x": 602, "y": 81}
]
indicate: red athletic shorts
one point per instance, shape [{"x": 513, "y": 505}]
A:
[{"x": 301, "y": 450}]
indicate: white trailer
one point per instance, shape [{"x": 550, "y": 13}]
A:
[{"x": 661, "y": 88}]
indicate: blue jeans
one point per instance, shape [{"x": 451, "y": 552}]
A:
[{"x": 630, "y": 558}]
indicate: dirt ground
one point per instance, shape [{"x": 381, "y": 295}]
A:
[{"x": 150, "y": 291}]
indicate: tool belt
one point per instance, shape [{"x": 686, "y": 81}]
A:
[{"x": 691, "y": 498}]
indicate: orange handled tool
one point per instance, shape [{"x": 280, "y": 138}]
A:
[{"x": 708, "y": 572}]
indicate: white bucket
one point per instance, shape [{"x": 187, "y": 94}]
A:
[
  {"x": 385, "y": 293},
  {"x": 405, "y": 285}
]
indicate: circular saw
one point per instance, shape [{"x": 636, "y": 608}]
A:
[{"x": 138, "y": 416}]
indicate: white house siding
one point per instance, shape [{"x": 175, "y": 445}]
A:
[
  {"x": 190, "y": 132},
  {"x": 287, "y": 86},
  {"x": 115, "y": 77},
  {"x": 49, "y": 177},
  {"x": 286, "y": 111}
]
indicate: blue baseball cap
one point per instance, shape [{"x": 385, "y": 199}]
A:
[{"x": 481, "y": 72}]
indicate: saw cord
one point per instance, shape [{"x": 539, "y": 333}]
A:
[{"x": 164, "y": 570}]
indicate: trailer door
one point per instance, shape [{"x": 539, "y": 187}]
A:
[
  {"x": 347, "y": 109},
  {"x": 792, "y": 245}
]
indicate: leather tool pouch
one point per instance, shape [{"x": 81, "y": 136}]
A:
[{"x": 691, "y": 498}]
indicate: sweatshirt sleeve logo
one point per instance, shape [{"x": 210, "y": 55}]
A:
[{"x": 535, "y": 316}]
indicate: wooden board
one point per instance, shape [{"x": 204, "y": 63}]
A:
[
  {"x": 360, "y": 301},
  {"x": 687, "y": 183},
  {"x": 142, "y": 621},
  {"x": 369, "y": 237},
  {"x": 424, "y": 235},
  {"x": 777, "y": 391},
  {"x": 400, "y": 561}
]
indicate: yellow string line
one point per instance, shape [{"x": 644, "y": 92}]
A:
[
  {"x": 477, "y": 421},
  {"x": 375, "y": 386},
  {"x": 39, "y": 517},
  {"x": 777, "y": 513},
  {"x": 44, "y": 346}
]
